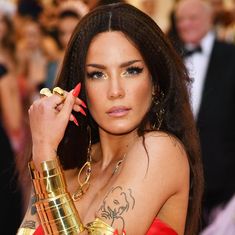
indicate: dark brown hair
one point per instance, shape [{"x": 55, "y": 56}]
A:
[
  {"x": 7, "y": 42},
  {"x": 169, "y": 76}
]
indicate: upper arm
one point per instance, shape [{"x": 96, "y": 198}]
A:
[
  {"x": 10, "y": 103},
  {"x": 31, "y": 219},
  {"x": 151, "y": 174}
]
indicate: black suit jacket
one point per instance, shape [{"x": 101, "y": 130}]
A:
[{"x": 216, "y": 125}]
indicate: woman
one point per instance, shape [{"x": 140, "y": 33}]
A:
[
  {"x": 140, "y": 172},
  {"x": 10, "y": 190},
  {"x": 12, "y": 123}
]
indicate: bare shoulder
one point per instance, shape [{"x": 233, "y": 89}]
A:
[
  {"x": 153, "y": 182},
  {"x": 158, "y": 154}
]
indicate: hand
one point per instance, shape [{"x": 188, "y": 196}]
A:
[{"x": 49, "y": 118}]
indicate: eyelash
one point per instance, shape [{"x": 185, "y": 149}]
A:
[
  {"x": 130, "y": 71},
  {"x": 95, "y": 75},
  {"x": 133, "y": 70}
]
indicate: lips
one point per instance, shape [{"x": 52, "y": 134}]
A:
[{"x": 118, "y": 111}]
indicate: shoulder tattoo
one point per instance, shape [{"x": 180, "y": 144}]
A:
[
  {"x": 115, "y": 204},
  {"x": 29, "y": 224}
]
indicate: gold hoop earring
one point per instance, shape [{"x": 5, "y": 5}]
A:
[
  {"x": 157, "y": 100},
  {"x": 84, "y": 184}
]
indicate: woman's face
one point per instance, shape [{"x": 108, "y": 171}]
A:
[
  {"x": 118, "y": 83},
  {"x": 32, "y": 35},
  {"x": 66, "y": 27}
]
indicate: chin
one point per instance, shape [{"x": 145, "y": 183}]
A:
[{"x": 120, "y": 129}]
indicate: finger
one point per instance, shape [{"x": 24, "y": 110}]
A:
[
  {"x": 80, "y": 102},
  {"x": 78, "y": 108},
  {"x": 68, "y": 105},
  {"x": 57, "y": 91},
  {"x": 30, "y": 109},
  {"x": 73, "y": 119},
  {"x": 55, "y": 101},
  {"x": 59, "y": 107}
]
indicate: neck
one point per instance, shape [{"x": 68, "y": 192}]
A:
[{"x": 112, "y": 148}]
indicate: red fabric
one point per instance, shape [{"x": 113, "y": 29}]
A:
[
  {"x": 160, "y": 228},
  {"x": 39, "y": 231},
  {"x": 157, "y": 228}
]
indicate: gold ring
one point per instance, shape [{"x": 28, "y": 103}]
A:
[
  {"x": 46, "y": 92},
  {"x": 58, "y": 91}
]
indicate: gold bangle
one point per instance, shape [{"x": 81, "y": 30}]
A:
[
  {"x": 49, "y": 168},
  {"x": 25, "y": 231},
  {"x": 50, "y": 182},
  {"x": 55, "y": 207},
  {"x": 98, "y": 226},
  {"x": 59, "y": 214},
  {"x": 48, "y": 187}
]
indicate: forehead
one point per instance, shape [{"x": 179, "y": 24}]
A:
[
  {"x": 112, "y": 36},
  {"x": 187, "y": 8},
  {"x": 113, "y": 44}
]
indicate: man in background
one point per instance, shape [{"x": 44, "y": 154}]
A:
[{"x": 210, "y": 64}]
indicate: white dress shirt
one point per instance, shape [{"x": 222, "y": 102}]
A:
[{"x": 197, "y": 65}]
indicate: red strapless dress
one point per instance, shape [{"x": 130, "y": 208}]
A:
[{"x": 157, "y": 228}]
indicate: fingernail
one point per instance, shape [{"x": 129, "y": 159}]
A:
[
  {"x": 115, "y": 232},
  {"x": 83, "y": 104},
  {"x": 82, "y": 111},
  {"x": 123, "y": 232},
  {"x": 75, "y": 120},
  {"x": 76, "y": 90}
]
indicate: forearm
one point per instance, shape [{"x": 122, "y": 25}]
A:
[{"x": 55, "y": 208}]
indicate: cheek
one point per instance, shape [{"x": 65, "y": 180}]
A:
[
  {"x": 95, "y": 98},
  {"x": 143, "y": 93}
]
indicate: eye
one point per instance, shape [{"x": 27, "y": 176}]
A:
[
  {"x": 133, "y": 70},
  {"x": 96, "y": 75}
]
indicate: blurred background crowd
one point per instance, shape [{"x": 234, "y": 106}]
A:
[{"x": 33, "y": 38}]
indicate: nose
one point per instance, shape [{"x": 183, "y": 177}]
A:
[{"x": 116, "y": 88}]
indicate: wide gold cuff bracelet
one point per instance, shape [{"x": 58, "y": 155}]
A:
[
  {"x": 58, "y": 215},
  {"x": 55, "y": 207},
  {"x": 50, "y": 182}
]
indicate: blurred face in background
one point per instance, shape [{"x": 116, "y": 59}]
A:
[
  {"x": 32, "y": 35},
  {"x": 193, "y": 20},
  {"x": 66, "y": 27}
]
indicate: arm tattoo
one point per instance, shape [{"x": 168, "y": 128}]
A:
[
  {"x": 115, "y": 204},
  {"x": 33, "y": 207},
  {"x": 29, "y": 224}
]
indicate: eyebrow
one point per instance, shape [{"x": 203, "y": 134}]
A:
[{"x": 125, "y": 64}]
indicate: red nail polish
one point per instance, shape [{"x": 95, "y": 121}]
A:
[
  {"x": 123, "y": 232},
  {"x": 82, "y": 111},
  {"x": 83, "y": 104},
  {"x": 77, "y": 89},
  {"x": 115, "y": 232},
  {"x": 75, "y": 120}
]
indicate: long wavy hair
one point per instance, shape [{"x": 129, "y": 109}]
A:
[{"x": 169, "y": 77}]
